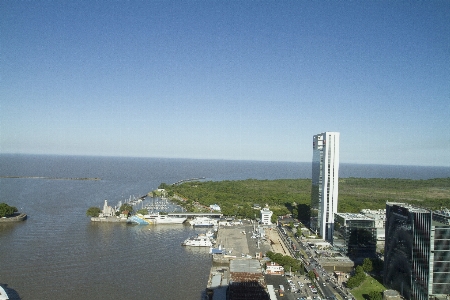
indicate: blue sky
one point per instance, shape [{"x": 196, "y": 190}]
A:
[{"x": 245, "y": 80}]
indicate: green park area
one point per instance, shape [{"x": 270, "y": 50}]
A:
[
  {"x": 284, "y": 196},
  {"x": 367, "y": 289}
]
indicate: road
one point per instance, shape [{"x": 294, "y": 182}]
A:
[{"x": 325, "y": 283}]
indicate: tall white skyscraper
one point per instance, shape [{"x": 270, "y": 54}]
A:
[{"x": 325, "y": 176}]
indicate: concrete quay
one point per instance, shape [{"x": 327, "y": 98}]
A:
[
  {"x": 110, "y": 220},
  {"x": 239, "y": 271},
  {"x": 238, "y": 241}
]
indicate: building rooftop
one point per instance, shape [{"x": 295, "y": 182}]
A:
[
  {"x": 440, "y": 219},
  {"x": 353, "y": 216},
  {"x": 374, "y": 211},
  {"x": 245, "y": 265},
  {"x": 411, "y": 208}
]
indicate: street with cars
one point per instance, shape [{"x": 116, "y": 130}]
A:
[{"x": 300, "y": 287}]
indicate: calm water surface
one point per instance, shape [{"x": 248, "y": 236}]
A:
[{"x": 59, "y": 254}]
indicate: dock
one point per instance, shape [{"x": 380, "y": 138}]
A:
[
  {"x": 239, "y": 267},
  {"x": 238, "y": 240}
]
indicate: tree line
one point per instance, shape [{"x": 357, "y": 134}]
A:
[{"x": 6, "y": 210}]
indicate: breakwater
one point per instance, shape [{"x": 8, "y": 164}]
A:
[
  {"x": 110, "y": 220},
  {"x": 16, "y": 218},
  {"x": 187, "y": 180}
]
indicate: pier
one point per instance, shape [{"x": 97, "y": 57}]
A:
[{"x": 187, "y": 180}]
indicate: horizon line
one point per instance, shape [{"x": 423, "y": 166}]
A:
[{"x": 219, "y": 159}]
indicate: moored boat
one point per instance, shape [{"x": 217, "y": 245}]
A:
[
  {"x": 163, "y": 219},
  {"x": 3, "y": 295}
]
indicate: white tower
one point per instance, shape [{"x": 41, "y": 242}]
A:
[
  {"x": 266, "y": 216},
  {"x": 325, "y": 176}
]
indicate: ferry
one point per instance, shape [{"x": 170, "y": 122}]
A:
[{"x": 163, "y": 219}]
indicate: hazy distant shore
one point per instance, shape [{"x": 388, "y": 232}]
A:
[{"x": 52, "y": 178}]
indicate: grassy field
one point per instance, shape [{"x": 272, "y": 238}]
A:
[{"x": 368, "y": 285}]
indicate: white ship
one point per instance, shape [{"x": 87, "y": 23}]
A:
[
  {"x": 163, "y": 219},
  {"x": 198, "y": 241},
  {"x": 203, "y": 222}
]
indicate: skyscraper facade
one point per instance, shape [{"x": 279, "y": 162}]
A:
[
  {"x": 325, "y": 176},
  {"x": 417, "y": 251}
]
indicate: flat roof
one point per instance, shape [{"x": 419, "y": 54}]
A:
[
  {"x": 353, "y": 216},
  {"x": 216, "y": 280},
  {"x": 409, "y": 207},
  {"x": 245, "y": 265}
]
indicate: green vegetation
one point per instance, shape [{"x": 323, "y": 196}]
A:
[
  {"x": 311, "y": 276},
  {"x": 374, "y": 295},
  {"x": 126, "y": 208},
  {"x": 357, "y": 278},
  {"x": 6, "y": 210},
  {"x": 357, "y": 193},
  {"x": 237, "y": 197},
  {"x": 93, "y": 212},
  {"x": 369, "y": 289},
  {"x": 143, "y": 211},
  {"x": 289, "y": 263},
  {"x": 367, "y": 265},
  {"x": 294, "y": 195}
]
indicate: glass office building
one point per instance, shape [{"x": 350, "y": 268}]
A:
[
  {"x": 325, "y": 176},
  {"x": 359, "y": 233},
  {"x": 417, "y": 251}
]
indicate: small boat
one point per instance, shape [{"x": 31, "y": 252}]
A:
[
  {"x": 200, "y": 240},
  {"x": 3, "y": 295}
]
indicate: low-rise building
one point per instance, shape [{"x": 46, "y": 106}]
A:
[
  {"x": 391, "y": 295},
  {"x": 214, "y": 207},
  {"x": 246, "y": 280},
  {"x": 272, "y": 268},
  {"x": 379, "y": 216},
  {"x": 340, "y": 277},
  {"x": 359, "y": 233},
  {"x": 108, "y": 211},
  {"x": 266, "y": 216}
]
